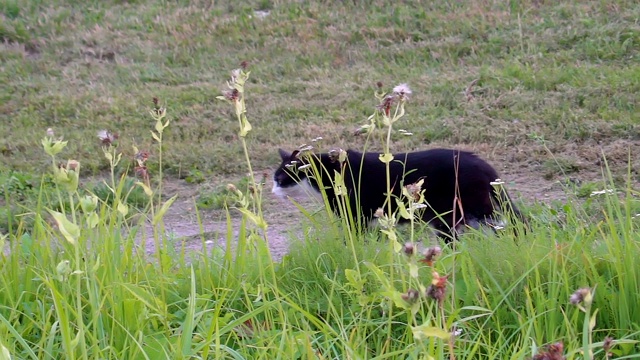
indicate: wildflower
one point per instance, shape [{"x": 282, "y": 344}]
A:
[
  {"x": 364, "y": 129},
  {"x": 607, "y": 344},
  {"x": 142, "y": 172},
  {"x": 582, "y": 295},
  {"x": 409, "y": 249},
  {"x": 405, "y": 132},
  {"x": 231, "y": 95},
  {"x": 553, "y": 352},
  {"x": 158, "y": 111},
  {"x": 52, "y": 147},
  {"x": 73, "y": 165},
  {"x": 88, "y": 203},
  {"x": 141, "y": 156},
  {"x": 232, "y": 188},
  {"x": 67, "y": 175},
  {"x": 107, "y": 137},
  {"x": 235, "y": 75},
  {"x": 497, "y": 182},
  {"x": 431, "y": 254},
  {"x": 437, "y": 289},
  {"x": 337, "y": 155},
  {"x": 304, "y": 167},
  {"x": 411, "y": 296},
  {"x": 386, "y": 104},
  {"x": 379, "y": 213},
  {"x": 413, "y": 190},
  {"x": 402, "y": 91}
]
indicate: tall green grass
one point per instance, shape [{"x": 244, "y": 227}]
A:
[{"x": 79, "y": 283}]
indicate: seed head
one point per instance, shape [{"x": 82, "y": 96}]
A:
[
  {"x": 141, "y": 156},
  {"x": 582, "y": 295},
  {"x": 379, "y": 84},
  {"x": 379, "y": 213},
  {"x": 402, "y": 91},
  {"x": 438, "y": 288},
  {"x": 413, "y": 190},
  {"x": 107, "y": 137},
  {"x": 386, "y": 104},
  {"x": 244, "y": 65},
  {"x": 409, "y": 249},
  {"x": 411, "y": 296},
  {"x": 607, "y": 344},
  {"x": 232, "y": 95},
  {"x": 553, "y": 352},
  {"x": 430, "y": 255}
]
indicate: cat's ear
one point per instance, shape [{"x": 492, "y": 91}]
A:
[
  {"x": 294, "y": 154},
  {"x": 284, "y": 154}
]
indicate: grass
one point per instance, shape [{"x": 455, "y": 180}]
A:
[
  {"x": 565, "y": 71},
  {"x": 547, "y": 88}
]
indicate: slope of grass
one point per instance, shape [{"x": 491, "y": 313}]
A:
[{"x": 565, "y": 71}]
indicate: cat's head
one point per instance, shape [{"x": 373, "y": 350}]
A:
[{"x": 287, "y": 176}]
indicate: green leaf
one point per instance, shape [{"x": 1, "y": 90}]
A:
[
  {"x": 423, "y": 332},
  {"x": 93, "y": 220},
  {"x": 155, "y": 136},
  {"x": 69, "y": 230},
  {"x": 403, "y": 210},
  {"x": 163, "y": 210}
]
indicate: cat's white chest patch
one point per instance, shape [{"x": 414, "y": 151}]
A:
[{"x": 303, "y": 188}]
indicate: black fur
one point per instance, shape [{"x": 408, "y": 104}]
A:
[{"x": 446, "y": 173}]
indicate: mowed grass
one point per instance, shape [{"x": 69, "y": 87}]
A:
[
  {"x": 563, "y": 72},
  {"x": 544, "y": 88}
]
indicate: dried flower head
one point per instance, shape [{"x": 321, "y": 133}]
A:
[
  {"x": 141, "y": 171},
  {"x": 409, "y": 249},
  {"x": 413, "y": 190},
  {"x": 607, "y": 344},
  {"x": 386, "y": 104},
  {"x": 430, "y": 255},
  {"x": 438, "y": 287},
  {"x": 553, "y": 352},
  {"x": 107, "y": 137},
  {"x": 582, "y": 295},
  {"x": 244, "y": 65},
  {"x": 379, "y": 213},
  {"x": 73, "y": 165},
  {"x": 411, "y": 296},
  {"x": 231, "y": 95},
  {"x": 141, "y": 156},
  {"x": 379, "y": 84},
  {"x": 402, "y": 91},
  {"x": 155, "y": 102},
  {"x": 232, "y": 188}
]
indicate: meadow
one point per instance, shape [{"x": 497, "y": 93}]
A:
[{"x": 139, "y": 100}]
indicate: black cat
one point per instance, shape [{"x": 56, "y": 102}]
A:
[{"x": 450, "y": 177}]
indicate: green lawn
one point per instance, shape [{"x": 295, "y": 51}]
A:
[{"x": 541, "y": 89}]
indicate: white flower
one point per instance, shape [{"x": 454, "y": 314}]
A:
[{"x": 496, "y": 182}]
